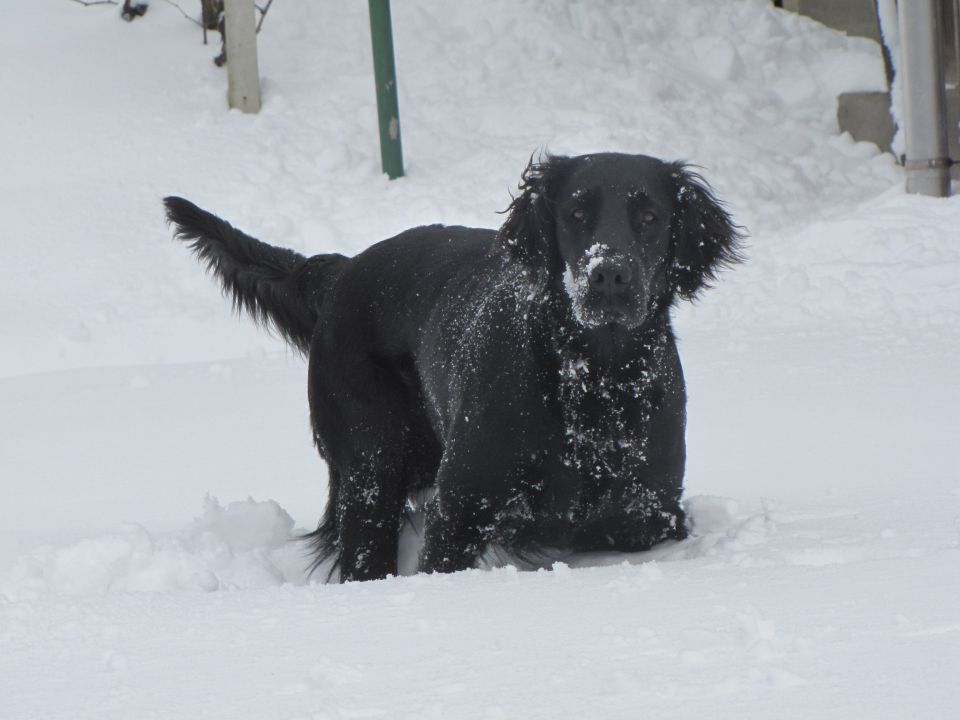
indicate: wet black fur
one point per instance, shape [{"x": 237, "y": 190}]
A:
[{"x": 450, "y": 358}]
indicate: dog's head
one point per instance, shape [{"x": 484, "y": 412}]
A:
[{"x": 623, "y": 235}]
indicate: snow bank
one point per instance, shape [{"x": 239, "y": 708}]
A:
[
  {"x": 246, "y": 544},
  {"x": 883, "y": 266},
  {"x": 744, "y": 90}
]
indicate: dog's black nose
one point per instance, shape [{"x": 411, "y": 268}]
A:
[{"x": 611, "y": 276}]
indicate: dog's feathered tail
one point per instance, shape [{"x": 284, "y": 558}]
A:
[
  {"x": 323, "y": 544},
  {"x": 279, "y": 288}
]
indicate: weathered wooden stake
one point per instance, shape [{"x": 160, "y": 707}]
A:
[
  {"x": 243, "y": 76},
  {"x": 385, "y": 76}
]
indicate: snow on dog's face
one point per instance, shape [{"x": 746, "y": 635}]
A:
[{"x": 623, "y": 235}]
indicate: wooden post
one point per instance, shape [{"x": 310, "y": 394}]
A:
[
  {"x": 385, "y": 76},
  {"x": 243, "y": 76}
]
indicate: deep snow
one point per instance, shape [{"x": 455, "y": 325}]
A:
[{"x": 155, "y": 452}]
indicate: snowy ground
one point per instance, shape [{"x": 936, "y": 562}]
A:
[{"x": 155, "y": 455}]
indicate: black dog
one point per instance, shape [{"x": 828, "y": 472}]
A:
[{"x": 530, "y": 375}]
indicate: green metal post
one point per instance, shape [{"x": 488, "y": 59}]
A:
[{"x": 385, "y": 76}]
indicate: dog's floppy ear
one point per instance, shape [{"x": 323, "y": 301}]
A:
[
  {"x": 528, "y": 232},
  {"x": 705, "y": 238}
]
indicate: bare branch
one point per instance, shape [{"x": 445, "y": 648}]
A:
[
  {"x": 183, "y": 12},
  {"x": 88, "y": 3},
  {"x": 263, "y": 14}
]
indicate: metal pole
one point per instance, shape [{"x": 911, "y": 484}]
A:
[
  {"x": 925, "y": 120},
  {"x": 243, "y": 76},
  {"x": 385, "y": 76}
]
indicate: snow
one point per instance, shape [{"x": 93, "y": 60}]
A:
[
  {"x": 155, "y": 453},
  {"x": 245, "y": 544}
]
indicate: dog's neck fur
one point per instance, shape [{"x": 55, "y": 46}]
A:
[{"x": 606, "y": 369}]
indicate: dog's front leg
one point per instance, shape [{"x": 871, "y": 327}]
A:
[{"x": 474, "y": 484}]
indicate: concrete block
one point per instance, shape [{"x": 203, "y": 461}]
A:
[
  {"x": 854, "y": 17},
  {"x": 866, "y": 116}
]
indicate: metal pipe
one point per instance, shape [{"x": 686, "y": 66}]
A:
[
  {"x": 955, "y": 29},
  {"x": 925, "y": 120},
  {"x": 385, "y": 76}
]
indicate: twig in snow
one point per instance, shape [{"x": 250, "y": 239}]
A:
[{"x": 88, "y": 3}]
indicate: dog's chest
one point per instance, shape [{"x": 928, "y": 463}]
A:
[
  {"x": 605, "y": 419},
  {"x": 596, "y": 456}
]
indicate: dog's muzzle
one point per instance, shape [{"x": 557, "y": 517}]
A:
[{"x": 606, "y": 289}]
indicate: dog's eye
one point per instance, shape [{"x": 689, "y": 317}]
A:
[
  {"x": 647, "y": 217},
  {"x": 578, "y": 215}
]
